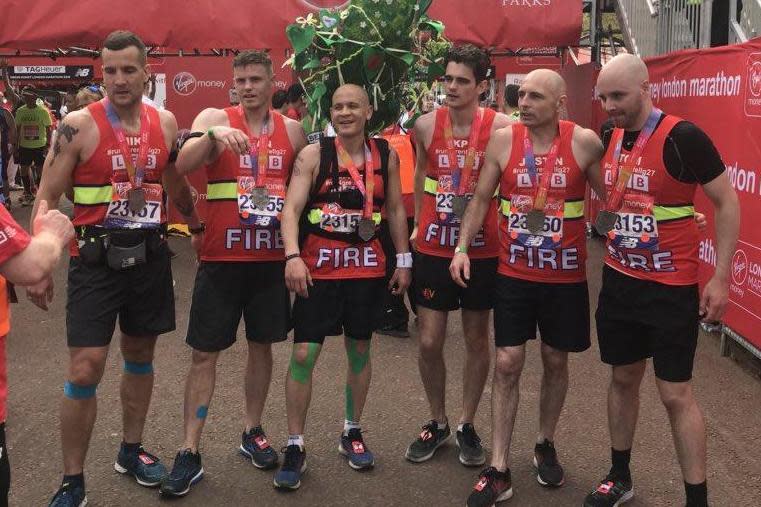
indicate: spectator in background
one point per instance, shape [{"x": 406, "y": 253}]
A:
[
  {"x": 511, "y": 102},
  {"x": 295, "y": 108},
  {"x": 7, "y": 146},
  {"x": 280, "y": 101},
  {"x": 86, "y": 96},
  {"x": 34, "y": 125}
]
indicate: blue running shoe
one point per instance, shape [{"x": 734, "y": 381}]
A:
[
  {"x": 353, "y": 447},
  {"x": 186, "y": 472},
  {"x": 294, "y": 466},
  {"x": 69, "y": 496},
  {"x": 143, "y": 466},
  {"x": 256, "y": 448}
]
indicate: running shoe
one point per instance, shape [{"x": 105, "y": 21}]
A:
[
  {"x": 26, "y": 200},
  {"x": 611, "y": 492},
  {"x": 69, "y": 496},
  {"x": 395, "y": 330},
  {"x": 493, "y": 486},
  {"x": 549, "y": 472},
  {"x": 143, "y": 466},
  {"x": 186, "y": 472},
  {"x": 353, "y": 447},
  {"x": 255, "y": 447},
  {"x": 430, "y": 439},
  {"x": 294, "y": 466},
  {"x": 471, "y": 452}
]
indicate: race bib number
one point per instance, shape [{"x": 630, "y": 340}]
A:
[
  {"x": 31, "y": 132},
  {"x": 636, "y": 226},
  {"x": 551, "y": 235},
  {"x": 445, "y": 196},
  {"x": 336, "y": 219},
  {"x": 119, "y": 214},
  {"x": 253, "y": 212}
]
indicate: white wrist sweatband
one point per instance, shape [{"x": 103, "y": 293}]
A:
[{"x": 404, "y": 260}]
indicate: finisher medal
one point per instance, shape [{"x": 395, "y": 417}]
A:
[
  {"x": 535, "y": 221},
  {"x": 366, "y": 229},
  {"x": 459, "y": 203},
  {"x": 136, "y": 199},
  {"x": 260, "y": 197},
  {"x": 605, "y": 222}
]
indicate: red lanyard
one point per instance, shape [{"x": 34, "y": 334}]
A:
[
  {"x": 368, "y": 187},
  {"x": 462, "y": 177},
  {"x": 259, "y": 154},
  {"x": 621, "y": 173},
  {"x": 135, "y": 170},
  {"x": 543, "y": 180}
]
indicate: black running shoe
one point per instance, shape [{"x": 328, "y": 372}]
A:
[
  {"x": 294, "y": 466},
  {"x": 611, "y": 492},
  {"x": 256, "y": 448},
  {"x": 471, "y": 452},
  {"x": 186, "y": 472},
  {"x": 69, "y": 496},
  {"x": 395, "y": 330},
  {"x": 143, "y": 466},
  {"x": 493, "y": 486},
  {"x": 353, "y": 447},
  {"x": 430, "y": 439},
  {"x": 548, "y": 470}
]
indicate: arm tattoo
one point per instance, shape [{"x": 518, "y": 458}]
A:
[{"x": 67, "y": 131}]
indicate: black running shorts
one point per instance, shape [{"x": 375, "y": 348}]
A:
[
  {"x": 29, "y": 156},
  {"x": 435, "y": 289},
  {"x": 350, "y": 307},
  {"x": 225, "y": 291},
  {"x": 141, "y": 297},
  {"x": 638, "y": 319},
  {"x": 559, "y": 310}
]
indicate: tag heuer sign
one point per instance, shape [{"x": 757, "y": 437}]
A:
[{"x": 51, "y": 72}]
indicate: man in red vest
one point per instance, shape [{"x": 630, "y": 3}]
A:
[
  {"x": 118, "y": 156},
  {"x": 541, "y": 167},
  {"x": 247, "y": 152},
  {"x": 450, "y": 152},
  {"x": 650, "y": 305}
]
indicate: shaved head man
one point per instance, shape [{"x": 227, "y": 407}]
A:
[
  {"x": 652, "y": 167},
  {"x": 540, "y": 168},
  {"x": 338, "y": 270}
]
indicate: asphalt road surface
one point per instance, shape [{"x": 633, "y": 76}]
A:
[{"x": 396, "y": 408}]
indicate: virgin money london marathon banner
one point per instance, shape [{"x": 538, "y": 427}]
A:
[
  {"x": 261, "y": 23},
  {"x": 719, "y": 89}
]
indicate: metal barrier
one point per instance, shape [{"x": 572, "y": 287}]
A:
[
  {"x": 654, "y": 27},
  {"x": 744, "y": 20}
]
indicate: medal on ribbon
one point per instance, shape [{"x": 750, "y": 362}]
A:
[
  {"x": 536, "y": 216},
  {"x": 462, "y": 177},
  {"x": 366, "y": 226}
]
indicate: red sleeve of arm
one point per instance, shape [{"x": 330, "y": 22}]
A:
[{"x": 13, "y": 238}]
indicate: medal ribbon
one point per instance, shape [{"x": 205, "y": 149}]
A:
[
  {"x": 367, "y": 189},
  {"x": 461, "y": 177},
  {"x": 542, "y": 183},
  {"x": 135, "y": 170},
  {"x": 259, "y": 154},
  {"x": 622, "y": 172}
]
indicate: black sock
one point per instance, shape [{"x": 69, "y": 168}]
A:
[
  {"x": 74, "y": 480},
  {"x": 697, "y": 494},
  {"x": 620, "y": 460},
  {"x": 131, "y": 448},
  {"x": 27, "y": 184}
]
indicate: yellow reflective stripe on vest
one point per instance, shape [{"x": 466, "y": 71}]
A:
[
  {"x": 572, "y": 209},
  {"x": 432, "y": 187},
  {"x": 315, "y": 216},
  {"x": 224, "y": 190},
  {"x": 93, "y": 195},
  {"x": 666, "y": 213}
]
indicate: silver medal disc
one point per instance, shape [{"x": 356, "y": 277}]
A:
[
  {"x": 260, "y": 197},
  {"x": 366, "y": 229},
  {"x": 535, "y": 221},
  {"x": 605, "y": 222},
  {"x": 136, "y": 199}
]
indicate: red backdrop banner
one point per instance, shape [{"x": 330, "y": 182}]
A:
[
  {"x": 511, "y": 24},
  {"x": 720, "y": 90},
  {"x": 261, "y": 23}
]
